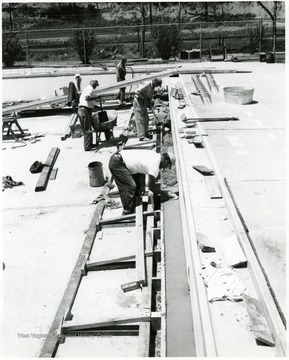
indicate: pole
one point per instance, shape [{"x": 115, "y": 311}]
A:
[
  {"x": 84, "y": 47},
  {"x": 10, "y": 16},
  {"x": 27, "y": 49},
  {"x": 260, "y": 34},
  {"x": 201, "y": 42}
]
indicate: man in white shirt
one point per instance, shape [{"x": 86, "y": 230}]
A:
[
  {"x": 129, "y": 168},
  {"x": 143, "y": 99},
  {"x": 86, "y": 104}
]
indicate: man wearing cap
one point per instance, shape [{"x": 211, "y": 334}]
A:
[
  {"x": 120, "y": 76},
  {"x": 86, "y": 104},
  {"x": 143, "y": 99},
  {"x": 78, "y": 80},
  {"x": 129, "y": 168}
]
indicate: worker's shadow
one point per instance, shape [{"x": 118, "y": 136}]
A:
[{"x": 104, "y": 144}]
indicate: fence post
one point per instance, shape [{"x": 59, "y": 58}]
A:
[
  {"x": 260, "y": 34},
  {"x": 27, "y": 49},
  {"x": 84, "y": 47},
  {"x": 200, "y": 41}
]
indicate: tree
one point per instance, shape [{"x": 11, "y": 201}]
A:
[
  {"x": 167, "y": 39},
  {"x": 84, "y": 42},
  {"x": 11, "y": 49},
  {"x": 273, "y": 17}
]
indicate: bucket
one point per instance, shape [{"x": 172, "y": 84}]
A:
[
  {"x": 96, "y": 177},
  {"x": 270, "y": 58},
  {"x": 238, "y": 95},
  {"x": 262, "y": 57}
]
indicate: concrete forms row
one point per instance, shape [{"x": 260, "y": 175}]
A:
[{"x": 210, "y": 221}]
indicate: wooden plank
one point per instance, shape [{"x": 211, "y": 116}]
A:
[
  {"x": 197, "y": 119},
  {"x": 143, "y": 349},
  {"x": 45, "y": 173},
  {"x": 102, "y": 89},
  {"x": 53, "y": 174},
  {"x": 119, "y": 219},
  {"x": 140, "y": 248},
  {"x": 90, "y": 265},
  {"x": 232, "y": 251},
  {"x": 52, "y": 156},
  {"x": 101, "y": 322},
  {"x": 51, "y": 341},
  {"x": 203, "y": 170},
  {"x": 134, "y": 285},
  {"x": 72, "y": 122},
  {"x": 258, "y": 321},
  {"x": 213, "y": 188},
  {"x": 33, "y": 104}
]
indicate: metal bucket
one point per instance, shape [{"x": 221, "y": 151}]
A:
[
  {"x": 238, "y": 95},
  {"x": 96, "y": 177}
]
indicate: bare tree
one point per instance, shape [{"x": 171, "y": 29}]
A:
[{"x": 273, "y": 17}]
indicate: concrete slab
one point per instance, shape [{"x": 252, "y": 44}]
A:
[
  {"x": 99, "y": 346},
  {"x": 100, "y": 294},
  {"x": 251, "y": 156}
]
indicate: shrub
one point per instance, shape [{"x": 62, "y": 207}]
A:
[
  {"x": 167, "y": 40},
  {"x": 11, "y": 49},
  {"x": 90, "y": 44}
]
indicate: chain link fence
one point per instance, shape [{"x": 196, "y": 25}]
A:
[{"x": 201, "y": 40}]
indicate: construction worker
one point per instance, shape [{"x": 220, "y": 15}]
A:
[
  {"x": 143, "y": 99},
  {"x": 120, "y": 76},
  {"x": 73, "y": 93},
  {"x": 78, "y": 81},
  {"x": 86, "y": 104},
  {"x": 129, "y": 168}
]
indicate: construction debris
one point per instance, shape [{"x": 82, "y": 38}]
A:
[{"x": 8, "y": 182}]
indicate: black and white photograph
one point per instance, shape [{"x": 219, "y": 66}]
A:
[{"x": 143, "y": 179}]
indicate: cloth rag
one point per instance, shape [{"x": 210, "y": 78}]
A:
[{"x": 223, "y": 284}]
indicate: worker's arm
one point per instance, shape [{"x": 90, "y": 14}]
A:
[
  {"x": 90, "y": 98},
  {"x": 156, "y": 190}
]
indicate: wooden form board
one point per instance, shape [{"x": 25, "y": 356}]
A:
[
  {"x": 51, "y": 341},
  {"x": 258, "y": 321},
  {"x": 100, "y": 322},
  {"x": 213, "y": 188},
  {"x": 145, "y": 327},
  {"x": 140, "y": 249},
  {"x": 202, "y": 324}
]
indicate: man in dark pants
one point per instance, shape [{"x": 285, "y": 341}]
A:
[
  {"x": 143, "y": 99},
  {"x": 129, "y": 168},
  {"x": 120, "y": 76},
  {"x": 86, "y": 104}
]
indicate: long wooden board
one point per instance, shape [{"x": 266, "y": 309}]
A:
[
  {"x": 45, "y": 173},
  {"x": 140, "y": 249},
  {"x": 258, "y": 321},
  {"x": 102, "y": 89},
  {"x": 145, "y": 327},
  {"x": 100, "y": 322}
]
